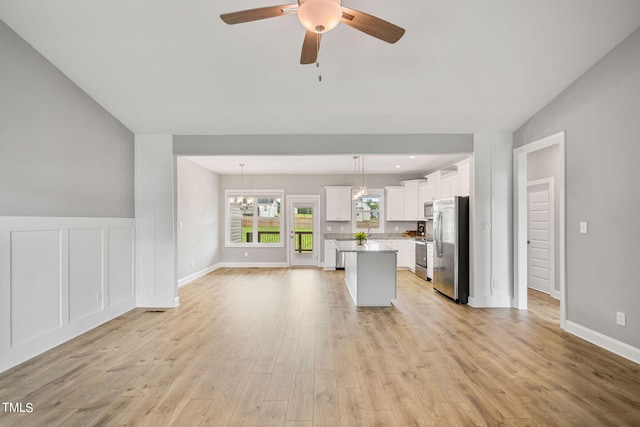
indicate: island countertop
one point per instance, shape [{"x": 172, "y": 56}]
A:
[{"x": 370, "y": 246}]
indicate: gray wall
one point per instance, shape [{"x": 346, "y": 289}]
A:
[
  {"x": 198, "y": 210},
  {"x": 545, "y": 163},
  {"x": 61, "y": 154},
  {"x": 600, "y": 112},
  {"x": 297, "y": 185}
]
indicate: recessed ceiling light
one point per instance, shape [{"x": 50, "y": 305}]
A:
[
  {"x": 397, "y": 166},
  {"x": 412, "y": 157}
]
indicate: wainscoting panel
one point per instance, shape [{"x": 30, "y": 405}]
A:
[
  {"x": 85, "y": 272},
  {"x": 35, "y": 284},
  {"x": 121, "y": 269},
  {"x": 60, "y": 277}
]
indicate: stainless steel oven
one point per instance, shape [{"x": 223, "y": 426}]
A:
[{"x": 421, "y": 259}]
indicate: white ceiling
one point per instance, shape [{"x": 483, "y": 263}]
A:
[
  {"x": 463, "y": 66},
  {"x": 335, "y": 164}
]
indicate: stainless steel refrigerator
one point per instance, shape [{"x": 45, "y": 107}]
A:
[{"x": 451, "y": 248}]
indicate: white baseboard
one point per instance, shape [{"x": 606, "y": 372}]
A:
[
  {"x": 608, "y": 343},
  {"x": 490, "y": 301},
  {"x": 254, "y": 264},
  {"x": 190, "y": 278}
]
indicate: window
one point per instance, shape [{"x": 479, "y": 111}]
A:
[
  {"x": 254, "y": 218},
  {"x": 368, "y": 214}
]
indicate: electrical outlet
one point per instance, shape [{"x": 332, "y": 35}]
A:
[
  {"x": 246, "y": 254},
  {"x": 99, "y": 296},
  {"x": 583, "y": 227},
  {"x": 397, "y": 228},
  {"x": 192, "y": 263},
  {"x": 621, "y": 318},
  {"x": 341, "y": 228},
  {"x": 328, "y": 228},
  {"x": 180, "y": 224}
]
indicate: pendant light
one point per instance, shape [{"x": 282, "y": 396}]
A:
[
  {"x": 356, "y": 195},
  {"x": 240, "y": 200},
  {"x": 363, "y": 188}
]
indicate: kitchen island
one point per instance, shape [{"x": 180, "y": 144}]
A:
[{"x": 369, "y": 272}]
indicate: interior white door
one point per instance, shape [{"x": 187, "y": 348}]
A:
[
  {"x": 304, "y": 225},
  {"x": 540, "y": 236}
]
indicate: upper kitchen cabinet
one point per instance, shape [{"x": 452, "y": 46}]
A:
[
  {"x": 425, "y": 194},
  {"x": 338, "y": 203},
  {"x": 464, "y": 177},
  {"x": 413, "y": 209},
  {"x": 448, "y": 186},
  {"x": 395, "y": 203}
]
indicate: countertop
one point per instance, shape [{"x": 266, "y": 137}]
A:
[{"x": 370, "y": 246}]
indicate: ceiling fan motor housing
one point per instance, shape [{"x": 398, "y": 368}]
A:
[{"x": 320, "y": 16}]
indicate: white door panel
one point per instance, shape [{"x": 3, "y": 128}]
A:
[
  {"x": 540, "y": 237},
  {"x": 304, "y": 221}
]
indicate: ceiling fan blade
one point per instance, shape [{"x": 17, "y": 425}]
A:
[
  {"x": 369, "y": 24},
  {"x": 257, "y": 14},
  {"x": 310, "y": 47}
]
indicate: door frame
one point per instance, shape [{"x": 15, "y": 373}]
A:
[
  {"x": 520, "y": 221},
  {"x": 316, "y": 224},
  {"x": 549, "y": 182}
]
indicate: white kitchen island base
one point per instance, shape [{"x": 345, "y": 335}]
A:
[{"x": 370, "y": 273}]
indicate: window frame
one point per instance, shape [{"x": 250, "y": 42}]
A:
[
  {"x": 278, "y": 194},
  {"x": 354, "y": 222}
]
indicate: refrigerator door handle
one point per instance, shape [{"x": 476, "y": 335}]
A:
[{"x": 438, "y": 235}]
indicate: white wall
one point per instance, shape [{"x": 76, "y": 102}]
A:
[
  {"x": 66, "y": 207},
  {"x": 599, "y": 112},
  {"x": 155, "y": 224},
  {"x": 491, "y": 222},
  {"x": 60, "y": 277},
  {"x": 198, "y": 216}
]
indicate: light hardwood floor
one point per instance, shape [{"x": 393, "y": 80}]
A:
[{"x": 287, "y": 347}]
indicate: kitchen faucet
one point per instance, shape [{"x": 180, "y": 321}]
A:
[{"x": 368, "y": 229}]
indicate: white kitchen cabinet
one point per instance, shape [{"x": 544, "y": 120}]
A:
[
  {"x": 464, "y": 177},
  {"x": 424, "y": 195},
  {"x": 403, "y": 253},
  {"x": 338, "y": 203},
  {"x": 433, "y": 180},
  {"x": 448, "y": 184},
  {"x": 329, "y": 254},
  {"x": 411, "y": 257},
  {"x": 395, "y": 203},
  {"x": 412, "y": 206},
  {"x": 430, "y": 260}
]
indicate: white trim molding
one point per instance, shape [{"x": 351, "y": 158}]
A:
[
  {"x": 59, "y": 278},
  {"x": 198, "y": 274},
  {"x": 520, "y": 221},
  {"x": 254, "y": 264},
  {"x": 604, "y": 341}
]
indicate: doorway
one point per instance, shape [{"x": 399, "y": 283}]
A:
[
  {"x": 541, "y": 236},
  {"x": 521, "y": 273},
  {"x": 303, "y": 227}
]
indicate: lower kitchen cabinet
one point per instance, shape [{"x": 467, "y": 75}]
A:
[
  {"x": 329, "y": 254},
  {"x": 429, "y": 260}
]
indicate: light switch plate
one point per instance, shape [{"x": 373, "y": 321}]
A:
[
  {"x": 583, "y": 227},
  {"x": 621, "y": 318}
]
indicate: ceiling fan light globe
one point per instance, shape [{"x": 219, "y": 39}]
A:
[{"x": 320, "y": 16}]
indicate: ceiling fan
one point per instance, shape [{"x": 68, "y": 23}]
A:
[{"x": 319, "y": 17}]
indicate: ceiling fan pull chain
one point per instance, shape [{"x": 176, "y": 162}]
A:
[{"x": 318, "y": 57}]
